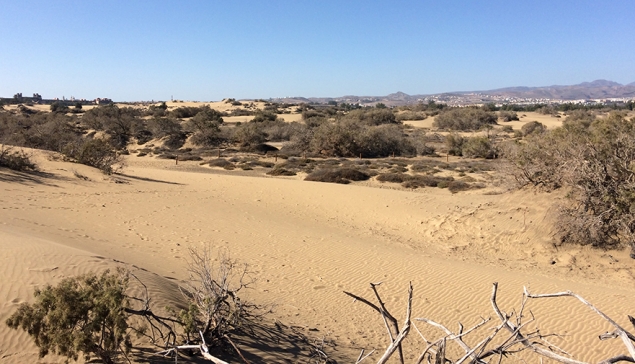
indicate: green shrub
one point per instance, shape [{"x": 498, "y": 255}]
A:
[
  {"x": 81, "y": 315},
  {"x": 507, "y": 129}
]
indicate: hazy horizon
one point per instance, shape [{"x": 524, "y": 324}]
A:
[{"x": 197, "y": 50}]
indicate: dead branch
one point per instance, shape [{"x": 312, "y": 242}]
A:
[
  {"x": 522, "y": 339},
  {"x": 396, "y": 336},
  {"x": 627, "y": 337}
]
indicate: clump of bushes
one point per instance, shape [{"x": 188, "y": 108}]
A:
[
  {"x": 478, "y": 147},
  {"x": 393, "y": 177},
  {"x": 96, "y": 153},
  {"x": 507, "y": 116},
  {"x": 464, "y": 119},
  {"x": 597, "y": 162},
  {"x": 337, "y": 175},
  {"x": 372, "y": 116}
]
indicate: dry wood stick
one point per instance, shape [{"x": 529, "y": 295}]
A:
[{"x": 510, "y": 327}]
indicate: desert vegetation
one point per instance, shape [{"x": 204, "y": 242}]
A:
[
  {"x": 593, "y": 158},
  {"x": 94, "y": 316}
]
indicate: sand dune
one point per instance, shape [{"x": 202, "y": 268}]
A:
[{"x": 307, "y": 242}]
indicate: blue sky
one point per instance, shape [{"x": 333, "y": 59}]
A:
[{"x": 209, "y": 50}]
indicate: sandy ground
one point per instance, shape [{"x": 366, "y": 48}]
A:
[{"x": 306, "y": 243}]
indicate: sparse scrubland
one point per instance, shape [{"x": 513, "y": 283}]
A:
[{"x": 590, "y": 156}]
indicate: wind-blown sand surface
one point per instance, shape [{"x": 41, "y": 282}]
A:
[{"x": 307, "y": 242}]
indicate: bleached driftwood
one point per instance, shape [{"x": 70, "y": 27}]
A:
[{"x": 519, "y": 338}]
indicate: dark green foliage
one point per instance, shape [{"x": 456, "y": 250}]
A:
[
  {"x": 82, "y": 315},
  {"x": 337, "y": 175},
  {"x": 467, "y": 118}
]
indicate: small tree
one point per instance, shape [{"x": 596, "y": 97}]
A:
[{"x": 81, "y": 315}]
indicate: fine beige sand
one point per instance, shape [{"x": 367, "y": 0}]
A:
[{"x": 306, "y": 243}]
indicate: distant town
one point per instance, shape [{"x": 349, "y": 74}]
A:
[
  {"x": 18, "y": 98},
  {"x": 595, "y": 93}
]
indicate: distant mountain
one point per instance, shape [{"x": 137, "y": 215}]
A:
[{"x": 598, "y": 89}]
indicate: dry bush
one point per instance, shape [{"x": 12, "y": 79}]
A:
[
  {"x": 419, "y": 181},
  {"x": 393, "y": 177},
  {"x": 351, "y": 138},
  {"x": 597, "y": 162},
  {"x": 281, "y": 171},
  {"x": 507, "y": 116},
  {"x": 337, "y": 175},
  {"x": 533, "y": 127},
  {"x": 463, "y": 185},
  {"x": 411, "y": 115},
  {"x": 221, "y": 163},
  {"x": 16, "y": 160},
  {"x": 478, "y": 147},
  {"x": 464, "y": 119},
  {"x": 372, "y": 116},
  {"x": 96, "y": 153},
  {"x": 454, "y": 142},
  {"x": 212, "y": 290}
]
